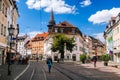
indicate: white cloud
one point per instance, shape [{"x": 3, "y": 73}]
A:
[
  {"x": 85, "y": 3},
  {"x": 103, "y": 16},
  {"x": 59, "y": 6},
  {"x": 17, "y": 0},
  {"x": 21, "y": 34},
  {"x": 99, "y": 36},
  {"x": 31, "y": 34}
]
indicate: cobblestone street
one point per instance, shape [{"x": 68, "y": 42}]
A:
[{"x": 70, "y": 71}]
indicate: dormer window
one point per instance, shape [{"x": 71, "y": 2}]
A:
[
  {"x": 63, "y": 24},
  {"x": 56, "y": 30}
]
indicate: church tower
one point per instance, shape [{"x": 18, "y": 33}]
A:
[{"x": 51, "y": 22}]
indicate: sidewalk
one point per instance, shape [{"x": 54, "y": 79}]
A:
[
  {"x": 16, "y": 70},
  {"x": 100, "y": 66}
]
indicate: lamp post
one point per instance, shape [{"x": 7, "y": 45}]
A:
[
  {"x": 11, "y": 31},
  {"x": 17, "y": 31}
]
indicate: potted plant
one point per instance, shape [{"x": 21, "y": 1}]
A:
[
  {"x": 83, "y": 58},
  {"x": 105, "y": 58}
]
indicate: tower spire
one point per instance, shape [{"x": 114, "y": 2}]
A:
[{"x": 52, "y": 21}]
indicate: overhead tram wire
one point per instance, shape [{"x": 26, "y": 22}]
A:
[
  {"x": 76, "y": 3},
  {"x": 28, "y": 28},
  {"x": 41, "y": 29},
  {"x": 73, "y": 1}
]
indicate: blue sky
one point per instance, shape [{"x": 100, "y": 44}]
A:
[{"x": 90, "y": 16}]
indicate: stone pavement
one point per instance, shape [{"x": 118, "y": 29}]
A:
[
  {"x": 100, "y": 66},
  {"x": 16, "y": 70}
]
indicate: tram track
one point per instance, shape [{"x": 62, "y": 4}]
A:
[
  {"x": 69, "y": 73},
  {"x": 38, "y": 72},
  {"x": 34, "y": 72}
]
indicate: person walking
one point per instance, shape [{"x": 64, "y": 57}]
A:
[
  {"x": 37, "y": 59},
  {"x": 94, "y": 59},
  {"x": 49, "y": 63}
]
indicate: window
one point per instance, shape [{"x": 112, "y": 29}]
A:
[
  {"x": 117, "y": 19},
  {"x": 80, "y": 48},
  {"x": 75, "y": 48},
  {"x": 2, "y": 29},
  {"x": 117, "y": 29},
  {"x": 56, "y": 30},
  {"x": 3, "y": 9},
  {"x": 61, "y": 30},
  {"x": 0, "y": 4},
  {"x": 73, "y": 31},
  {"x": 75, "y": 39},
  {"x": 5, "y": 12},
  {"x": 80, "y": 40}
]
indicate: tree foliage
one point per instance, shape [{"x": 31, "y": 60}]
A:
[
  {"x": 105, "y": 57},
  {"x": 83, "y": 57},
  {"x": 59, "y": 43}
]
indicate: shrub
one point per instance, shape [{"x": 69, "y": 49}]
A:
[
  {"x": 83, "y": 57},
  {"x": 105, "y": 57}
]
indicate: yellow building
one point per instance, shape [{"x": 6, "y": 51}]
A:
[
  {"x": 8, "y": 16},
  {"x": 37, "y": 44}
]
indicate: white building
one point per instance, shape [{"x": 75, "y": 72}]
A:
[
  {"x": 22, "y": 40},
  {"x": 112, "y": 37},
  {"x": 70, "y": 31},
  {"x": 75, "y": 55},
  {"x": 116, "y": 39}
]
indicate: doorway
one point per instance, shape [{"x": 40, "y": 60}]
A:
[{"x": 74, "y": 57}]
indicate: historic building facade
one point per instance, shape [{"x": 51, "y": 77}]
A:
[
  {"x": 70, "y": 31},
  {"x": 8, "y": 17},
  {"x": 112, "y": 37},
  {"x": 37, "y": 44},
  {"x": 21, "y": 41},
  {"x": 98, "y": 48}
]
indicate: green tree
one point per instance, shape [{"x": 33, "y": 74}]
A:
[
  {"x": 59, "y": 43},
  {"x": 105, "y": 58},
  {"x": 83, "y": 57}
]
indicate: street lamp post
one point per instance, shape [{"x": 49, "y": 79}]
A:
[
  {"x": 17, "y": 31},
  {"x": 11, "y": 31}
]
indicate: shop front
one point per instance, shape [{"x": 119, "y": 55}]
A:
[
  {"x": 0, "y": 57},
  {"x": 2, "y": 53},
  {"x": 118, "y": 57}
]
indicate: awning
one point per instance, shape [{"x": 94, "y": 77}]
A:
[
  {"x": 2, "y": 46},
  {"x": 116, "y": 51}
]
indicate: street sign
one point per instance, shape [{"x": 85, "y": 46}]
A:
[{"x": 13, "y": 38}]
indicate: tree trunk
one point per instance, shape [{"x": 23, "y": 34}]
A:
[{"x": 62, "y": 56}]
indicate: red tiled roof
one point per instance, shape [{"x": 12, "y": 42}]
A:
[
  {"x": 44, "y": 35},
  {"x": 64, "y": 24}
]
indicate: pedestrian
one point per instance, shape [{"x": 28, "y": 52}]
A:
[
  {"x": 94, "y": 59},
  {"x": 49, "y": 63},
  {"x": 37, "y": 59}
]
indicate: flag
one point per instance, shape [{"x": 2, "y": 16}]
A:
[{"x": 13, "y": 38}]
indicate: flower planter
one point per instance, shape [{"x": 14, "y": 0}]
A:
[
  {"x": 105, "y": 63},
  {"x": 83, "y": 62}
]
